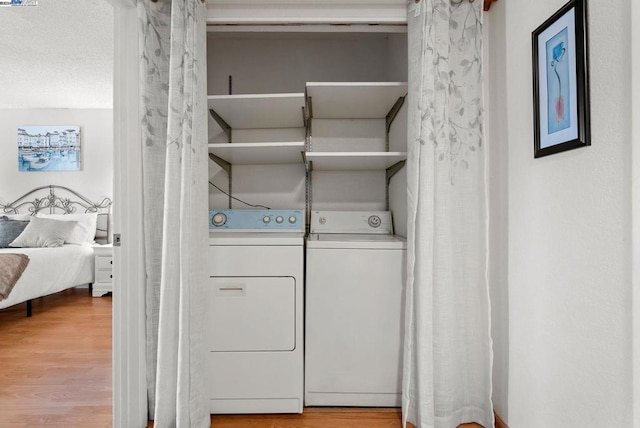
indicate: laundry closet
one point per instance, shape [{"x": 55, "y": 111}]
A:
[{"x": 307, "y": 199}]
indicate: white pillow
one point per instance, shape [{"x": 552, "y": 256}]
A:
[
  {"x": 21, "y": 217},
  {"x": 85, "y": 230},
  {"x": 44, "y": 232}
]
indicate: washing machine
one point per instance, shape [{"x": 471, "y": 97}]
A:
[
  {"x": 355, "y": 276},
  {"x": 255, "y": 317}
]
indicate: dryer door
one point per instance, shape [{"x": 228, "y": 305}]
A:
[{"x": 252, "y": 314}]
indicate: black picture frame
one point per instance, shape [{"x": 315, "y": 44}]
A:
[{"x": 561, "y": 81}]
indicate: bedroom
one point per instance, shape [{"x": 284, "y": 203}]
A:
[
  {"x": 530, "y": 184},
  {"x": 59, "y": 72},
  {"x": 55, "y": 85}
]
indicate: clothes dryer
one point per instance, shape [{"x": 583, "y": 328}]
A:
[
  {"x": 355, "y": 276},
  {"x": 255, "y": 294}
]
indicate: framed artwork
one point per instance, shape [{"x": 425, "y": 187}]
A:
[
  {"x": 49, "y": 148},
  {"x": 560, "y": 81}
]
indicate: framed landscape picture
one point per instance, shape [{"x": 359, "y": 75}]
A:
[
  {"x": 49, "y": 148},
  {"x": 560, "y": 81}
]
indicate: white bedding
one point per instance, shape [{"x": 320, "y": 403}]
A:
[{"x": 51, "y": 270}]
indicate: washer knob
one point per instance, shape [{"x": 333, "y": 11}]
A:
[
  {"x": 219, "y": 219},
  {"x": 374, "y": 221},
  {"x": 266, "y": 219},
  {"x": 292, "y": 219},
  {"x": 279, "y": 219}
]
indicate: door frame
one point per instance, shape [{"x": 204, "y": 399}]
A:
[
  {"x": 129, "y": 361},
  {"x": 130, "y": 406},
  {"x": 635, "y": 205}
]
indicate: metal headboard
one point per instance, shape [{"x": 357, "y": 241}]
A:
[
  {"x": 55, "y": 203},
  {"x": 44, "y": 199}
]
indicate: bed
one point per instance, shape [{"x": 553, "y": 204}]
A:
[{"x": 46, "y": 216}]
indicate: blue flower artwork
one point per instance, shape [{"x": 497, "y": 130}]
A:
[{"x": 558, "y": 83}]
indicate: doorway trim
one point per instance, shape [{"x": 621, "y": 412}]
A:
[
  {"x": 129, "y": 363},
  {"x": 635, "y": 206}
]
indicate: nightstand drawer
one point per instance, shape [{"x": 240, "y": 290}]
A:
[
  {"x": 104, "y": 262},
  {"x": 103, "y": 273},
  {"x": 104, "y": 276}
]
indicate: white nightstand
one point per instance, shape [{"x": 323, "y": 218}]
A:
[{"x": 103, "y": 282}]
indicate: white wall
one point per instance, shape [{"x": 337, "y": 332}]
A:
[
  {"x": 497, "y": 150},
  {"x": 284, "y": 62},
  {"x": 569, "y": 232},
  {"x": 272, "y": 62},
  {"x": 95, "y": 180},
  {"x": 635, "y": 43}
]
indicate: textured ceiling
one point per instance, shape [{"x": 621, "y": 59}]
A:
[{"x": 58, "y": 54}]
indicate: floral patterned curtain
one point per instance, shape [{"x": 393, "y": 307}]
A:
[
  {"x": 174, "y": 146},
  {"x": 447, "y": 355}
]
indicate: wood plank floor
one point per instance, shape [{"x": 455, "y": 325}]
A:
[
  {"x": 318, "y": 417},
  {"x": 55, "y": 371},
  {"x": 55, "y": 367}
]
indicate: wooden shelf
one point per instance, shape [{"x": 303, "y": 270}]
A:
[
  {"x": 259, "y": 153},
  {"x": 256, "y": 111},
  {"x": 353, "y": 161},
  {"x": 353, "y": 100}
]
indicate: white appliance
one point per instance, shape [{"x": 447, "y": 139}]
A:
[
  {"x": 354, "y": 318},
  {"x": 256, "y": 311}
]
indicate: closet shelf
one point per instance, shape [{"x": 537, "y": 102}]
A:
[
  {"x": 353, "y": 100},
  {"x": 353, "y": 161},
  {"x": 259, "y": 153},
  {"x": 259, "y": 111}
]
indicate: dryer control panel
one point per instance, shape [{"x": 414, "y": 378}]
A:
[
  {"x": 257, "y": 220},
  {"x": 365, "y": 222}
]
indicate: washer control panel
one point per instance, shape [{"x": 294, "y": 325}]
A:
[
  {"x": 376, "y": 222},
  {"x": 257, "y": 220}
]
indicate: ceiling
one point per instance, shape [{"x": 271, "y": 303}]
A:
[{"x": 58, "y": 54}]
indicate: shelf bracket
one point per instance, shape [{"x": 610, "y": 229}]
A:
[
  {"x": 391, "y": 116},
  {"x": 224, "y": 125},
  {"x": 393, "y": 170},
  {"x": 308, "y": 165},
  {"x": 304, "y": 116},
  {"x": 221, "y": 163},
  {"x": 309, "y": 108},
  {"x": 226, "y": 166},
  {"x": 394, "y": 112}
]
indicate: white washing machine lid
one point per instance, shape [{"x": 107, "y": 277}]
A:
[
  {"x": 356, "y": 240},
  {"x": 255, "y": 238}
]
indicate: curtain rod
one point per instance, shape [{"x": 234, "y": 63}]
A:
[
  {"x": 487, "y": 3},
  {"x": 156, "y": 1}
]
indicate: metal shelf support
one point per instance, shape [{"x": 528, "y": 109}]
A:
[
  {"x": 391, "y": 116},
  {"x": 226, "y": 166},
  {"x": 224, "y": 125}
]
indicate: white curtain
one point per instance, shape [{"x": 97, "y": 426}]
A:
[
  {"x": 447, "y": 350},
  {"x": 174, "y": 140}
]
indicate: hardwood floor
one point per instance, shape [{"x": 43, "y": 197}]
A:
[
  {"x": 318, "y": 417},
  {"x": 313, "y": 417},
  {"x": 55, "y": 367},
  {"x": 55, "y": 371}
]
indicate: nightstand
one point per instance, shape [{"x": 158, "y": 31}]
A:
[{"x": 103, "y": 282}]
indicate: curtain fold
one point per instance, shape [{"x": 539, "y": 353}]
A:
[
  {"x": 447, "y": 350},
  {"x": 174, "y": 141}
]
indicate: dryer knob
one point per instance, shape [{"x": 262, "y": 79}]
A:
[
  {"x": 219, "y": 219},
  {"x": 266, "y": 219},
  {"x": 279, "y": 219},
  {"x": 292, "y": 219}
]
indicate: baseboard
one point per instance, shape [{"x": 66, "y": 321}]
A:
[{"x": 499, "y": 422}]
